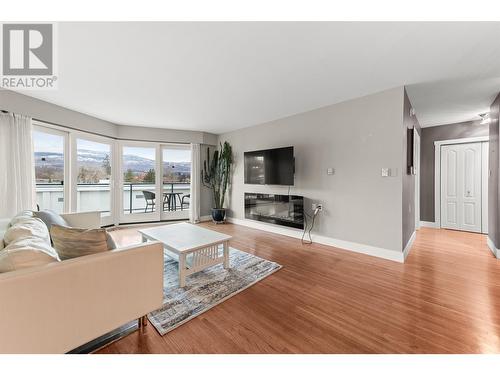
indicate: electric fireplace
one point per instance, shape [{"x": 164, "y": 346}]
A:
[{"x": 287, "y": 210}]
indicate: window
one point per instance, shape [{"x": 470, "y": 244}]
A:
[
  {"x": 93, "y": 168},
  {"x": 49, "y": 156}
]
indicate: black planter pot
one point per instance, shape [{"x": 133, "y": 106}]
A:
[{"x": 218, "y": 215}]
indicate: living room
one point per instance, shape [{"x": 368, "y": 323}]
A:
[{"x": 249, "y": 188}]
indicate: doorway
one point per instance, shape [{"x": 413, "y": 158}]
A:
[{"x": 463, "y": 185}]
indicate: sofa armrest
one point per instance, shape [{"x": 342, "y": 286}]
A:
[
  {"x": 88, "y": 220},
  {"x": 58, "y": 307}
]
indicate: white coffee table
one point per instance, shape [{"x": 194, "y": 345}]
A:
[{"x": 196, "y": 248}]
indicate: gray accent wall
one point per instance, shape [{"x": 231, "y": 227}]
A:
[
  {"x": 408, "y": 196},
  {"x": 428, "y": 137},
  {"x": 357, "y": 138},
  {"x": 493, "y": 181}
]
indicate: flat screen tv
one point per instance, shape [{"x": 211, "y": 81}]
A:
[{"x": 270, "y": 167}]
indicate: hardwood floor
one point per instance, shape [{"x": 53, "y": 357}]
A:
[{"x": 444, "y": 299}]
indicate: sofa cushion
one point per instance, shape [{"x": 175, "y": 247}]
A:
[
  {"x": 75, "y": 242},
  {"x": 26, "y": 253},
  {"x": 50, "y": 218},
  {"x": 27, "y": 228}
]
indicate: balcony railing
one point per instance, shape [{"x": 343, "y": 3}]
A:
[
  {"x": 137, "y": 203},
  {"x": 97, "y": 197}
]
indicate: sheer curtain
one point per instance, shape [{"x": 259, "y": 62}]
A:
[
  {"x": 17, "y": 179},
  {"x": 194, "y": 204}
]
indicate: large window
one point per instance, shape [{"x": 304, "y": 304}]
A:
[
  {"x": 139, "y": 179},
  {"x": 126, "y": 181},
  {"x": 176, "y": 163},
  {"x": 49, "y": 149},
  {"x": 93, "y": 168}
]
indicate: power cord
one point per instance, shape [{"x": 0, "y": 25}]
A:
[{"x": 313, "y": 218}]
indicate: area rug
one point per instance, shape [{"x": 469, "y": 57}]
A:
[{"x": 207, "y": 288}]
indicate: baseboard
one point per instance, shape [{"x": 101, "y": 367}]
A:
[
  {"x": 378, "y": 252},
  {"x": 492, "y": 247},
  {"x": 409, "y": 245},
  {"x": 428, "y": 224},
  {"x": 205, "y": 218}
]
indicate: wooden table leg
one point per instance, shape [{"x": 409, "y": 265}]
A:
[
  {"x": 226, "y": 254},
  {"x": 182, "y": 270}
]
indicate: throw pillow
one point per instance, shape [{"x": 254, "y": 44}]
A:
[
  {"x": 75, "y": 242},
  {"x": 21, "y": 216},
  {"x": 50, "y": 218},
  {"x": 27, "y": 228},
  {"x": 26, "y": 253}
]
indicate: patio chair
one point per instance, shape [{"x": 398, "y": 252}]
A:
[
  {"x": 183, "y": 203},
  {"x": 149, "y": 196}
]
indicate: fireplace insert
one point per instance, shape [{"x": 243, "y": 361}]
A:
[{"x": 287, "y": 210}]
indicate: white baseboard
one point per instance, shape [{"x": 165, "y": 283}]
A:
[
  {"x": 428, "y": 224},
  {"x": 492, "y": 247},
  {"x": 205, "y": 218},
  {"x": 409, "y": 245},
  {"x": 345, "y": 245}
]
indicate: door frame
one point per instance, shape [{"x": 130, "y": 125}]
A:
[
  {"x": 416, "y": 162},
  {"x": 437, "y": 171}
]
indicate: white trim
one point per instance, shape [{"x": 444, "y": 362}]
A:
[
  {"x": 437, "y": 170},
  {"x": 428, "y": 224},
  {"x": 409, "y": 245},
  {"x": 396, "y": 256},
  {"x": 492, "y": 247},
  {"x": 462, "y": 140}
]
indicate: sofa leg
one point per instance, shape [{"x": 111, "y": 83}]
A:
[{"x": 142, "y": 322}]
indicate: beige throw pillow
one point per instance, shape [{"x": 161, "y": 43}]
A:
[{"x": 75, "y": 242}]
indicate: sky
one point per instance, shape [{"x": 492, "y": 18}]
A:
[{"x": 45, "y": 142}]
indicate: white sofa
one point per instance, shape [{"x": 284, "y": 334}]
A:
[{"x": 60, "y": 306}]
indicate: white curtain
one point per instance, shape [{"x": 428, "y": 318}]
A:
[
  {"x": 194, "y": 201},
  {"x": 17, "y": 179}
]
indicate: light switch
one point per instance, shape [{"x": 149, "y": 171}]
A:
[
  {"x": 330, "y": 171},
  {"x": 386, "y": 172}
]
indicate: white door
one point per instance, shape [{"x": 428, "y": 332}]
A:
[{"x": 461, "y": 187}]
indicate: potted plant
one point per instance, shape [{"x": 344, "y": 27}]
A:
[{"x": 216, "y": 174}]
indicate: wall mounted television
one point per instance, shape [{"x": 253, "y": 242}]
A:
[{"x": 270, "y": 167}]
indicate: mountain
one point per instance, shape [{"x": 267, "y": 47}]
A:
[{"x": 89, "y": 158}]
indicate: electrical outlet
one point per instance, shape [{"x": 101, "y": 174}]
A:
[{"x": 318, "y": 206}]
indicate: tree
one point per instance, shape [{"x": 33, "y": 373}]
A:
[
  {"x": 107, "y": 165},
  {"x": 150, "y": 176},
  {"x": 129, "y": 175}
]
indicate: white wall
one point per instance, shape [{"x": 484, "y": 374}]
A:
[{"x": 356, "y": 138}]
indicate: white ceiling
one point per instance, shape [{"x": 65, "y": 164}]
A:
[{"x": 218, "y": 77}]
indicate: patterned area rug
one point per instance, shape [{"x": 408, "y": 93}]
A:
[{"x": 207, "y": 288}]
